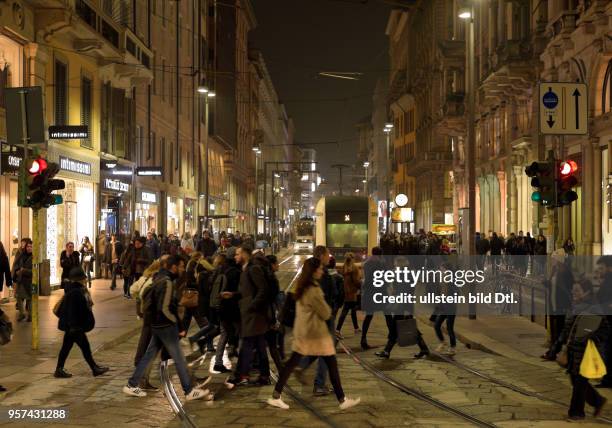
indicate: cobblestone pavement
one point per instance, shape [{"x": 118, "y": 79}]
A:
[{"x": 100, "y": 402}]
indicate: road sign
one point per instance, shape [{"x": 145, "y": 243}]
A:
[
  {"x": 24, "y": 105},
  {"x": 563, "y": 108}
]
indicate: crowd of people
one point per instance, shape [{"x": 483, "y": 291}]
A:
[{"x": 230, "y": 289}]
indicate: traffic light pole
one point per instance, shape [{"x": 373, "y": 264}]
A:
[{"x": 36, "y": 252}]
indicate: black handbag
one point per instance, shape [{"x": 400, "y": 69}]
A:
[
  {"x": 287, "y": 312},
  {"x": 6, "y": 329},
  {"x": 407, "y": 333}
]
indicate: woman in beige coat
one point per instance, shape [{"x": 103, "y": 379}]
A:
[{"x": 311, "y": 335}]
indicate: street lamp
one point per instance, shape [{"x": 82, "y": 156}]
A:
[
  {"x": 208, "y": 94},
  {"x": 257, "y": 151},
  {"x": 387, "y": 130},
  {"x": 467, "y": 14},
  {"x": 366, "y": 164}
]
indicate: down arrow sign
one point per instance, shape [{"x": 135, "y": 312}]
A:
[{"x": 550, "y": 122}]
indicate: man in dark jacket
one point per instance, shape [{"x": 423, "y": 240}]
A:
[
  {"x": 229, "y": 310},
  {"x": 22, "y": 274},
  {"x": 153, "y": 245},
  {"x": 112, "y": 256},
  {"x": 69, "y": 258},
  {"x": 136, "y": 261},
  {"x": 161, "y": 304},
  {"x": 206, "y": 245},
  {"x": 75, "y": 320},
  {"x": 254, "y": 318},
  {"x": 372, "y": 264},
  {"x": 5, "y": 269}
]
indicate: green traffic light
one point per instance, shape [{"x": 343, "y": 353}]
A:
[
  {"x": 57, "y": 200},
  {"x": 536, "y": 196}
]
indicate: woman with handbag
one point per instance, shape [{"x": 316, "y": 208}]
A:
[
  {"x": 585, "y": 324},
  {"x": 311, "y": 335},
  {"x": 75, "y": 320},
  {"x": 87, "y": 257}
]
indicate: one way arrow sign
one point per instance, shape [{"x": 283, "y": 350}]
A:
[{"x": 563, "y": 108}]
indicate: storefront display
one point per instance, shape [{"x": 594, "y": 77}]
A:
[
  {"x": 115, "y": 202},
  {"x": 190, "y": 225},
  {"x": 174, "y": 216},
  {"x": 146, "y": 211}
]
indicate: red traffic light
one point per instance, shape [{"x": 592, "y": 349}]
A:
[
  {"x": 568, "y": 167},
  {"x": 37, "y": 166}
]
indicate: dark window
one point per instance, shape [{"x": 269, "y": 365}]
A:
[
  {"x": 5, "y": 82},
  {"x": 86, "y": 100},
  {"x": 162, "y": 152},
  {"x": 110, "y": 34},
  {"x": 61, "y": 96},
  {"x": 86, "y": 13},
  {"x": 177, "y": 156},
  {"x": 606, "y": 92},
  {"x": 151, "y": 149}
]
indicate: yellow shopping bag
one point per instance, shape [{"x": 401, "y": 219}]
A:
[{"x": 592, "y": 365}]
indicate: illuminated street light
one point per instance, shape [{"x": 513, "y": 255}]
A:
[
  {"x": 366, "y": 164},
  {"x": 202, "y": 89},
  {"x": 388, "y": 126},
  {"x": 211, "y": 95},
  {"x": 364, "y": 181},
  {"x": 356, "y": 190},
  {"x": 465, "y": 13}
]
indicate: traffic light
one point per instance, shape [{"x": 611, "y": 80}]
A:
[
  {"x": 565, "y": 183},
  {"x": 543, "y": 179},
  {"x": 41, "y": 184}
]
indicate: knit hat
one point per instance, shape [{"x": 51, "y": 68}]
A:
[{"x": 76, "y": 274}]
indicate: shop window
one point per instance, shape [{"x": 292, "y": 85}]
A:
[
  {"x": 61, "y": 99},
  {"x": 86, "y": 88}
]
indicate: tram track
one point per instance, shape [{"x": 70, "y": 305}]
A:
[{"x": 412, "y": 391}]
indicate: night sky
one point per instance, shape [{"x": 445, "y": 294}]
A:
[{"x": 299, "y": 38}]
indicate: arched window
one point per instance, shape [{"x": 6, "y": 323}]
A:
[{"x": 606, "y": 91}]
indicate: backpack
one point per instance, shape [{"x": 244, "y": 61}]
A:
[{"x": 219, "y": 285}]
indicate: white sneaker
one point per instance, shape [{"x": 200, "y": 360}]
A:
[
  {"x": 199, "y": 394},
  {"x": 441, "y": 347},
  {"x": 349, "y": 402},
  {"x": 134, "y": 391},
  {"x": 452, "y": 351},
  {"x": 277, "y": 402}
]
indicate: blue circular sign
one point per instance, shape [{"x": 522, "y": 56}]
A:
[{"x": 550, "y": 99}]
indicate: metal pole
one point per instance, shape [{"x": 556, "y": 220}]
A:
[
  {"x": 471, "y": 147},
  {"x": 256, "y": 194},
  {"x": 388, "y": 226},
  {"x": 206, "y": 183},
  {"x": 471, "y": 138},
  {"x": 265, "y": 198},
  {"x": 35, "y": 277}
]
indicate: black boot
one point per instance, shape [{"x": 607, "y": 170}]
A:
[
  {"x": 2, "y": 389},
  {"x": 99, "y": 370},
  {"x": 382, "y": 354},
  {"x": 60, "y": 373}
]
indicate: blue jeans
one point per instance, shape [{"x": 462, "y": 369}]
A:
[{"x": 168, "y": 338}]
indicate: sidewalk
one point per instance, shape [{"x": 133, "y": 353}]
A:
[
  {"x": 511, "y": 336},
  {"x": 20, "y": 365}
]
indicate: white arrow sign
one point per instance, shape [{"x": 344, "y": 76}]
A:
[{"x": 563, "y": 108}]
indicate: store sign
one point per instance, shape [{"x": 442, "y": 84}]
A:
[
  {"x": 148, "y": 197},
  {"x": 68, "y": 132},
  {"x": 116, "y": 185},
  {"x": 73, "y": 165},
  {"x": 11, "y": 159},
  {"x": 151, "y": 171}
]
